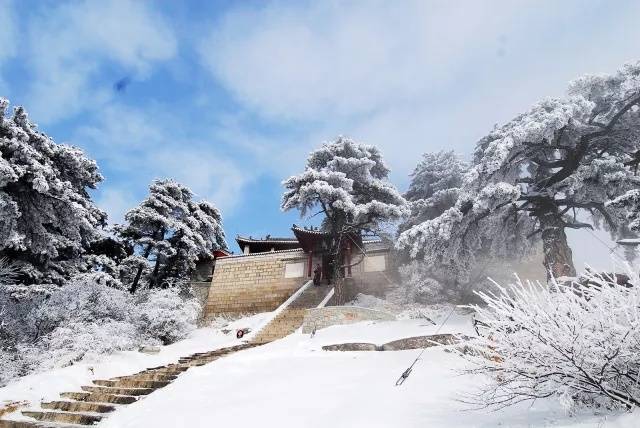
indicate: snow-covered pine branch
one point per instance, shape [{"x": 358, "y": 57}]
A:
[
  {"x": 47, "y": 219},
  {"x": 531, "y": 177},
  {"x": 578, "y": 342},
  {"x": 347, "y": 183},
  {"x": 169, "y": 232},
  {"x": 434, "y": 186}
]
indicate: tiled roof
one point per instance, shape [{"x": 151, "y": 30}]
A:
[
  {"x": 314, "y": 232},
  {"x": 266, "y": 240},
  {"x": 265, "y": 253}
]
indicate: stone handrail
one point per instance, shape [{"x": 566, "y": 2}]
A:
[{"x": 279, "y": 310}]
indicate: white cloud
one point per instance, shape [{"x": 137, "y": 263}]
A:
[
  {"x": 409, "y": 76},
  {"x": 8, "y": 38},
  {"x": 347, "y": 58},
  {"x": 140, "y": 145},
  {"x": 70, "y": 44}
]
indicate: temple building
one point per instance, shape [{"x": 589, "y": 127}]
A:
[{"x": 269, "y": 270}]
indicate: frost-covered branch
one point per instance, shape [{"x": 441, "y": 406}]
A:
[{"x": 578, "y": 341}]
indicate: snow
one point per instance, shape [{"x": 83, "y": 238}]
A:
[
  {"x": 46, "y": 386},
  {"x": 293, "y": 383}
]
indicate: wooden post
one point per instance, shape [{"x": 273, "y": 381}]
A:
[{"x": 348, "y": 258}]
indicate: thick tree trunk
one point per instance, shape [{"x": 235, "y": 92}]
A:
[
  {"x": 153, "y": 279},
  {"x": 558, "y": 260},
  {"x": 136, "y": 280}
]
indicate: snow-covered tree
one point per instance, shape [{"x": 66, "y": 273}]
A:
[
  {"x": 434, "y": 186},
  {"x": 627, "y": 208},
  {"x": 578, "y": 342},
  {"x": 169, "y": 232},
  {"x": 47, "y": 219},
  {"x": 544, "y": 171},
  {"x": 347, "y": 183},
  {"x": 165, "y": 316}
]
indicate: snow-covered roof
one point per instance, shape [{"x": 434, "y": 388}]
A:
[
  {"x": 265, "y": 253},
  {"x": 267, "y": 240}
]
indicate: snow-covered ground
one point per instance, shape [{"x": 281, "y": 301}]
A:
[
  {"x": 46, "y": 386},
  {"x": 293, "y": 382}
]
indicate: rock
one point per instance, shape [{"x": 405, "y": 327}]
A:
[
  {"x": 419, "y": 342},
  {"x": 351, "y": 347},
  {"x": 149, "y": 349}
]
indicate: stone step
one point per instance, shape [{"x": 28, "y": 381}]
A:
[
  {"x": 99, "y": 398},
  {"x": 127, "y": 383},
  {"x": 147, "y": 377},
  {"x": 176, "y": 370},
  {"x": 63, "y": 417},
  {"x": 29, "y": 424},
  {"x": 117, "y": 391},
  {"x": 78, "y": 406}
]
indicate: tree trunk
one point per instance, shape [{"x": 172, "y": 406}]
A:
[
  {"x": 153, "y": 280},
  {"x": 558, "y": 260},
  {"x": 136, "y": 280}
]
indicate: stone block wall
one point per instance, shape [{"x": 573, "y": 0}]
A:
[
  {"x": 375, "y": 274},
  {"x": 255, "y": 283},
  {"x": 319, "y": 318}
]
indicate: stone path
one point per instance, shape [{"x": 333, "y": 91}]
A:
[
  {"x": 292, "y": 317},
  {"x": 95, "y": 402}
]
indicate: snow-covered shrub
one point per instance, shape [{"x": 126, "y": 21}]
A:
[
  {"x": 83, "y": 302},
  {"x": 42, "y": 328},
  {"x": 420, "y": 286},
  {"x": 580, "y": 343},
  {"x": 166, "y": 316},
  {"x": 12, "y": 365},
  {"x": 69, "y": 343}
]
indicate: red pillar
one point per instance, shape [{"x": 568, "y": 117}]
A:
[{"x": 310, "y": 264}]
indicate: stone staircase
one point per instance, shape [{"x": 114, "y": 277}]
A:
[
  {"x": 96, "y": 401},
  {"x": 291, "y": 318}
]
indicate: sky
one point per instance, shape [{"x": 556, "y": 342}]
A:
[{"x": 229, "y": 97}]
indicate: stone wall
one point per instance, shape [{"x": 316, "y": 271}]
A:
[
  {"x": 255, "y": 283},
  {"x": 201, "y": 291},
  {"x": 261, "y": 282},
  {"x": 374, "y": 275},
  {"x": 338, "y": 315}
]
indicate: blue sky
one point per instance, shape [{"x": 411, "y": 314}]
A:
[{"x": 229, "y": 97}]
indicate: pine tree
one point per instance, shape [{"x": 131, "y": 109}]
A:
[
  {"x": 47, "y": 218},
  {"x": 434, "y": 186},
  {"x": 546, "y": 170},
  {"x": 347, "y": 183},
  {"x": 169, "y": 232}
]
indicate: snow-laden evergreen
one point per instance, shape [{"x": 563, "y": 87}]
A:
[
  {"x": 47, "y": 219},
  {"x": 434, "y": 186},
  {"x": 531, "y": 177},
  {"x": 169, "y": 232},
  {"x": 579, "y": 342},
  {"x": 347, "y": 183}
]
